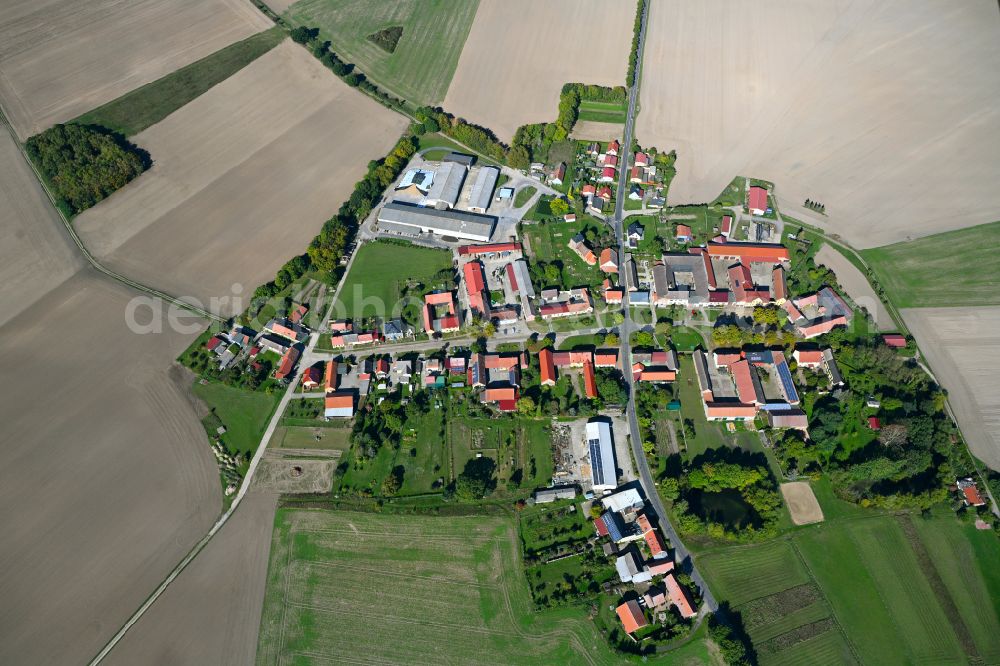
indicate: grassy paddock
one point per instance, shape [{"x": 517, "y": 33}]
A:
[
  {"x": 380, "y": 271},
  {"x": 603, "y": 112},
  {"x": 424, "y": 61},
  {"x": 135, "y": 111},
  {"x": 244, "y": 413},
  {"x": 950, "y": 269}
]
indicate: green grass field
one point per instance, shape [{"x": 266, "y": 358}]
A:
[
  {"x": 949, "y": 269},
  {"x": 550, "y": 242},
  {"x": 135, "y": 111},
  {"x": 421, "y": 67},
  {"x": 244, "y": 413},
  {"x": 413, "y": 590},
  {"x": 883, "y": 589},
  {"x": 603, "y": 112},
  {"x": 313, "y": 437},
  {"x": 379, "y": 272}
]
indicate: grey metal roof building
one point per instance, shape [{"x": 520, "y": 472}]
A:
[
  {"x": 460, "y": 158},
  {"x": 602, "y": 456},
  {"x": 482, "y": 189},
  {"x": 456, "y": 223},
  {"x": 446, "y": 186}
]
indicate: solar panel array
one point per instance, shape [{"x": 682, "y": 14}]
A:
[
  {"x": 786, "y": 381},
  {"x": 596, "y": 463},
  {"x": 613, "y": 530}
]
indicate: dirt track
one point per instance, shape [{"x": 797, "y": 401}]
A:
[
  {"x": 884, "y": 111},
  {"x": 36, "y": 254},
  {"x": 962, "y": 346},
  {"x": 856, "y": 285},
  {"x": 215, "y": 603},
  {"x": 61, "y": 58},
  {"x": 108, "y": 479},
  {"x": 520, "y": 53},
  {"x": 244, "y": 177}
]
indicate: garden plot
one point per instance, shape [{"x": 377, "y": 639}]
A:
[
  {"x": 883, "y": 111},
  {"x": 520, "y": 53},
  {"x": 243, "y": 178},
  {"x": 962, "y": 346},
  {"x": 802, "y": 504},
  {"x": 61, "y": 58}
]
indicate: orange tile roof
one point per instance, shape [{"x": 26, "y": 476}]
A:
[
  {"x": 330, "y": 376},
  {"x": 339, "y": 401},
  {"x": 589, "y": 380},
  {"x": 678, "y": 597},
  {"x": 546, "y": 367},
  {"x": 630, "y": 613}
]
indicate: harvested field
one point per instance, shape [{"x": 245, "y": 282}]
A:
[
  {"x": 592, "y": 130},
  {"x": 440, "y": 578},
  {"x": 108, "y": 479},
  {"x": 520, "y": 53},
  {"x": 801, "y": 501},
  {"x": 962, "y": 347},
  {"x": 61, "y": 58},
  {"x": 215, "y": 603},
  {"x": 857, "y": 286},
  {"x": 243, "y": 178},
  {"x": 883, "y": 111},
  {"x": 36, "y": 253}
]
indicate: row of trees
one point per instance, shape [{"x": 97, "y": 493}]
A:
[
  {"x": 477, "y": 138},
  {"x": 83, "y": 164}
]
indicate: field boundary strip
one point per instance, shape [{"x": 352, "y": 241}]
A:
[
  {"x": 397, "y": 574},
  {"x": 938, "y": 586}
]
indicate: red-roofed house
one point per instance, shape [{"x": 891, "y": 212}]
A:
[
  {"x": 445, "y": 324},
  {"x": 808, "y": 358},
  {"x": 726, "y": 411},
  {"x": 678, "y": 597},
  {"x": 475, "y": 286},
  {"x": 556, "y": 178},
  {"x": 606, "y": 358},
  {"x": 311, "y": 377},
  {"x": 727, "y": 225},
  {"x": 588, "y": 190},
  {"x": 613, "y": 148},
  {"x": 547, "y": 369},
  {"x": 894, "y": 340},
  {"x": 970, "y": 493},
  {"x": 589, "y": 380},
  {"x": 683, "y": 233},
  {"x": 641, "y": 159},
  {"x": 657, "y": 548},
  {"x": 874, "y": 423},
  {"x": 214, "y": 343},
  {"x": 746, "y": 388},
  {"x": 604, "y": 192},
  {"x": 636, "y": 175},
  {"x": 489, "y": 248},
  {"x": 779, "y": 287},
  {"x": 608, "y": 175},
  {"x": 630, "y": 613},
  {"x": 500, "y": 394},
  {"x": 298, "y": 314},
  {"x": 287, "y": 364},
  {"x": 771, "y": 253},
  {"x": 339, "y": 405},
  {"x": 757, "y": 200},
  {"x": 609, "y": 260},
  {"x": 330, "y": 377}
]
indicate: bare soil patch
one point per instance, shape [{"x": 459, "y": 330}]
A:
[
  {"x": 856, "y": 285},
  {"x": 291, "y": 474},
  {"x": 108, "y": 479},
  {"x": 593, "y": 130},
  {"x": 802, "y": 503},
  {"x": 215, "y": 603},
  {"x": 962, "y": 347},
  {"x": 243, "y": 178},
  {"x": 519, "y": 54},
  {"x": 36, "y": 253},
  {"x": 883, "y": 111},
  {"x": 61, "y": 58}
]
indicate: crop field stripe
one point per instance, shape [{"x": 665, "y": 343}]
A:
[
  {"x": 773, "y": 567},
  {"x": 826, "y": 649}
]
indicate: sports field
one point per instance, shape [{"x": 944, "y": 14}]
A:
[
  {"x": 421, "y": 67},
  {"x": 379, "y": 276},
  {"x": 874, "y": 589},
  {"x": 949, "y": 269},
  {"x": 367, "y": 588},
  {"x": 61, "y": 58}
]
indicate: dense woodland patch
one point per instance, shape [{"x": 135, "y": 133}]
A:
[{"x": 83, "y": 164}]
